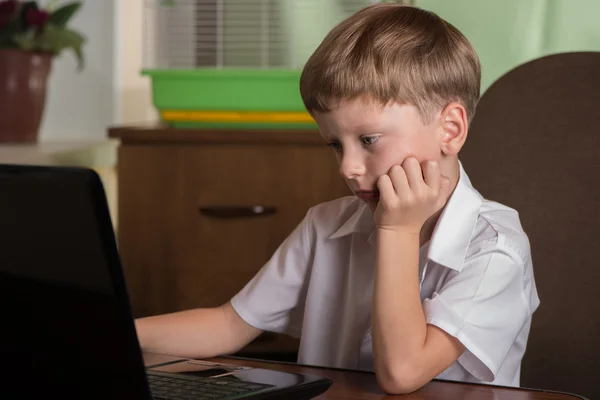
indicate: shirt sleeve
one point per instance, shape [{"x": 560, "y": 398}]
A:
[
  {"x": 484, "y": 306},
  {"x": 272, "y": 299}
]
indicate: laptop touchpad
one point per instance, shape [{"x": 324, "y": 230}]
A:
[{"x": 200, "y": 369}]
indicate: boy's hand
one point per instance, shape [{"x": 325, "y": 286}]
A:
[{"x": 409, "y": 194}]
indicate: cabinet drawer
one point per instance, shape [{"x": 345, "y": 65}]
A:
[{"x": 191, "y": 230}]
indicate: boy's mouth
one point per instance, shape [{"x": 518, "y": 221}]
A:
[{"x": 368, "y": 195}]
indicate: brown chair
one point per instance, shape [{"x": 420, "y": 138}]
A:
[{"x": 534, "y": 145}]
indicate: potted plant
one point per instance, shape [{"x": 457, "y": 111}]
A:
[{"x": 30, "y": 37}]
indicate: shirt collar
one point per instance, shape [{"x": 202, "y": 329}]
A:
[
  {"x": 361, "y": 221},
  {"x": 452, "y": 233}
]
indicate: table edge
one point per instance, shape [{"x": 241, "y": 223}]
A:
[{"x": 576, "y": 396}]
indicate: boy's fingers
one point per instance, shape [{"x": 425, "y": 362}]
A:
[
  {"x": 432, "y": 175},
  {"x": 413, "y": 172},
  {"x": 386, "y": 189},
  {"x": 399, "y": 180}
]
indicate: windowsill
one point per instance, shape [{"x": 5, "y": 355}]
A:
[
  {"x": 100, "y": 155},
  {"x": 91, "y": 154}
]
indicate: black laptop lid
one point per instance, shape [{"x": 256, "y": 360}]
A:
[{"x": 66, "y": 325}]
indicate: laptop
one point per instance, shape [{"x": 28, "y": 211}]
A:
[{"x": 66, "y": 327}]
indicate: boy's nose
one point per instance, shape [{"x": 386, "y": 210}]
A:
[{"x": 351, "y": 167}]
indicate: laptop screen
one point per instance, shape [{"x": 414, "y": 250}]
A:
[{"x": 66, "y": 323}]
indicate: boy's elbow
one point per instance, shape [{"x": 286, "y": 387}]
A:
[{"x": 400, "y": 379}]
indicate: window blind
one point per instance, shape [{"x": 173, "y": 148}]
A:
[{"x": 275, "y": 34}]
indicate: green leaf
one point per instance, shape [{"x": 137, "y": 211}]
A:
[
  {"x": 79, "y": 55},
  {"x": 8, "y": 43},
  {"x": 26, "y": 41},
  {"x": 61, "y": 16},
  {"x": 12, "y": 26},
  {"x": 74, "y": 41},
  {"x": 56, "y": 39}
]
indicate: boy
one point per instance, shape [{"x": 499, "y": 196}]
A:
[{"x": 415, "y": 277}]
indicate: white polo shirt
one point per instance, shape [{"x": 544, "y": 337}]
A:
[{"x": 477, "y": 285}]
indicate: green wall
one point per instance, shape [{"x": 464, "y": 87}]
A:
[{"x": 507, "y": 33}]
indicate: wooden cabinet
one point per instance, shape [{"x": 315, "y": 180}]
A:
[{"x": 200, "y": 211}]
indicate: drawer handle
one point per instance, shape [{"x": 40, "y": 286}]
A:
[{"x": 237, "y": 211}]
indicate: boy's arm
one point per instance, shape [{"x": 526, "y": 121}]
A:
[
  {"x": 408, "y": 352},
  {"x": 198, "y": 333},
  {"x": 267, "y": 300}
]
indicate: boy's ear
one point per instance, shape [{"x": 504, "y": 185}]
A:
[{"x": 455, "y": 127}]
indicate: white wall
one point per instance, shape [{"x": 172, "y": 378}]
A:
[
  {"x": 134, "y": 90},
  {"x": 80, "y": 105}
]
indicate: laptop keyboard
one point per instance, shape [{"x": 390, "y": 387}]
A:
[{"x": 176, "y": 388}]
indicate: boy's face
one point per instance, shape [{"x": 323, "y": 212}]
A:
[{"x": 369, "y": 139}]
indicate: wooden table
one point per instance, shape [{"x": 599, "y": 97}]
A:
[{"x": 354, "y": 385}]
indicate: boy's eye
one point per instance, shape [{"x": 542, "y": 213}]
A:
[
  {"x": 337, "y": 146},
  {"x": 369, "y": 139}
]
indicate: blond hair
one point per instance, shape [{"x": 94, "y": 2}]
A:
[{"x": 390, "y": 52}]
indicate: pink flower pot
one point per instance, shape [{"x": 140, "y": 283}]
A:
[{"x": 23, "y": 79}]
